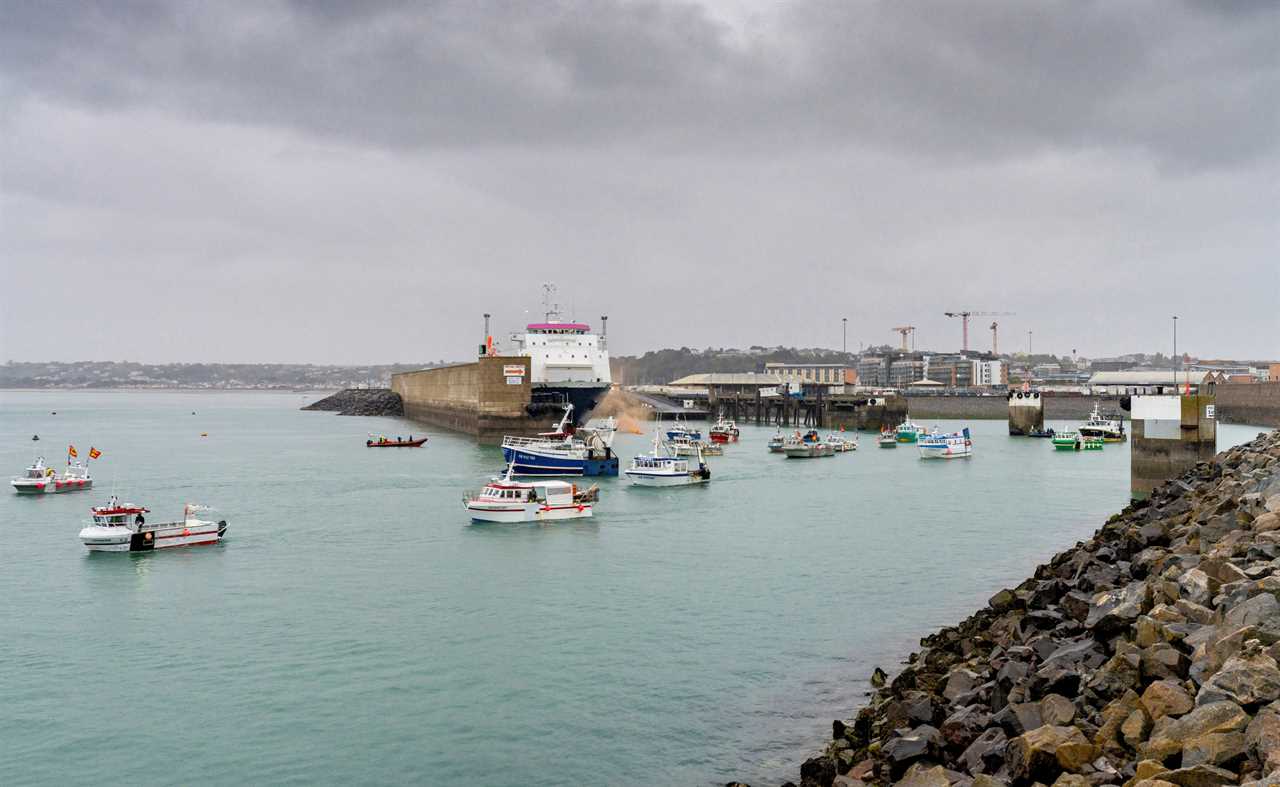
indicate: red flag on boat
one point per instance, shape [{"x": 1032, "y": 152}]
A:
[
  {"x": 94, "y": 453},
  {"x": 71, "y": 451}
]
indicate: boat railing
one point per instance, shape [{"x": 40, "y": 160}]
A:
[{"x": 534, "y": 442}]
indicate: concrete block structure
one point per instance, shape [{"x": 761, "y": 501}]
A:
[
  {"x": 1026, "y": 412},
  {"x": 1170, "y": 435}
]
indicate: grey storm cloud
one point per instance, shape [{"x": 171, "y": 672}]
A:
[
  {"x": 359, "y": 181},
  {"x": 1191, "y": 84}
]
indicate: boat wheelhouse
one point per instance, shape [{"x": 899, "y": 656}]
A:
[
  {"x": 940, "y": 445},
  {"x": 122, "y": 527},
  {"x": 908, "y": 432}
]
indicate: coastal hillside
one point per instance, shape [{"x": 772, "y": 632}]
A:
[{"x": 1144, "y": 657}]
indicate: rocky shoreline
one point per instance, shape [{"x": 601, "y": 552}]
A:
[
  {"x": 361, "y": 401},
  {"x": 1144, "y": 657}
]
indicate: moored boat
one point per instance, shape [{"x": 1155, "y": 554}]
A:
[
  {"x": 680, "y": 429},
  {"x": 908, "y": 432},
  {"x": 122, "y": 527},
  {"x": 777, "y": 442},
  {"x": 661, "y": 468},
  {"x": 940, "y": 445},
  {"x": 724, "y": 432},
  {"x": 504, "y": 500},
  {"x": 888, "y": 439},
  {"x": 1107, "y": 427},
  {"x": 807, "y": 446},
  {"x": 1075, "y": 441},
  {"x": 842, "y": 444}
]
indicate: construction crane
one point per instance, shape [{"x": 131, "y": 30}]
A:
[
  {"x": 964, "y": 317},
  {"x": 905, "y": 330}
]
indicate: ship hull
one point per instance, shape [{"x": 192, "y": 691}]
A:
[{"x": 529, "y": 463}]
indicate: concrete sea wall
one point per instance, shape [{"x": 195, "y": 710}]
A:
[
  {"x": 1249, "y": 403},
  {"x": 479, "y": 399},
  {"x": 1144, "y": 657}
]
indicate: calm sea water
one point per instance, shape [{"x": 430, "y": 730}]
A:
[{"x": 354, "y": 628}]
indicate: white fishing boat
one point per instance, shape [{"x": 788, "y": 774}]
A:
[
  {"x": 508, "y": 501},
  {"x": 40, "y": 479},
  {"x": 940, "y": 445},
  {"x": 777, "y": 442},
  {"x": 1104, "y": 426},
  {"x": 122, "y": 527},
  {"x": 842, "y": 444},
  {"x": 662, "y": 468},
  {"x": 807, "y": 446}
]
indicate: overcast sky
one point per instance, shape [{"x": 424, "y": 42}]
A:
[{"x": 341, "y": 182}]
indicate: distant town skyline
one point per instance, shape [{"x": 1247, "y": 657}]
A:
[{"x": 357, "y": 184}]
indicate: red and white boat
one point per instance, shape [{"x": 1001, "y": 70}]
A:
[
  {"x": 508, "y": 501},
  {"x": 122, "y": 527},
  {"x": 41, "y": 479},
  {"x": 724, "y": 432}
]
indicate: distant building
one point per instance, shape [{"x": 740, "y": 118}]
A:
[
  {"x": 873, "y": 370},
  {"x": 728, "y": 382},
  {"x": 1145, "y": 381},
  {"x": 821, "y": 373}
]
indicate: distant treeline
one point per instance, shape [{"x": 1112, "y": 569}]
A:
[{"x": 127, "y": 374}]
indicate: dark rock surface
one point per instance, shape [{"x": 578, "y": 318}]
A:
[
  {"x": 1143, "y": 657},
  {"x": 361, "y": 401}
]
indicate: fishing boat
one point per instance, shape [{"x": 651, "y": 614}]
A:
[
  {"x": 807, "y": 446},
  {"x": 1075, "y": 441},
  {"x": 505, "y": 500},
  {"x": 940, "y": 445},
  {"x": 121, "y": 527},
  {"x": 1041, "y": 433},
  {"x": 724, "y": 432},
  {"x": 1108, "y": 427},
  {"x": 566, "y": 451},
  {"x": 661, "y": 468},
  {"x": 40, "y": 479},
  {"x": 888, "y": 439},
  {"x": 908, "y": 432},
  {"x": 382, "y": 441},
  {"x": 711, "y": 449},
  {"x": 683, "y": 446},
  {"x": 680, "y": 429},
  {"x": 842, "y": 444},
  {"x": 777, "y": 442}
]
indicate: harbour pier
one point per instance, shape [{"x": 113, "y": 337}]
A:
[
  {"x": 814, "y": 408},
  {"x": 1026, "y": 412}
]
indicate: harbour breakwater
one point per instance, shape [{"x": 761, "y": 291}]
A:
[
  {"x": 1144, "y": 657},
  {"x": 361, "y": 401}
]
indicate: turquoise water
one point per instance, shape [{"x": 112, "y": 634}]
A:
[{"x": 354, "y": 628}]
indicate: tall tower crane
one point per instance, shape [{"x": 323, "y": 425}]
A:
[
  {"x": 964, "y": 318},
  {"x": 906, "y": 330}
]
